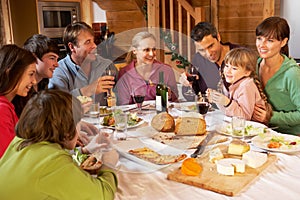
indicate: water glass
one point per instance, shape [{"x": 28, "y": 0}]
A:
[
  {"x": 238, "y": 126},
  {"x": 106, "y": 139},
  {"x": 94, "y": 110},
  {"x": 121, "y": 126}
]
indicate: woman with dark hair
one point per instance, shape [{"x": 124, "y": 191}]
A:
[
  {"x": 279, "y": 76},
  {"x": 17, "y": 77},
  {"x": 36, "y": 162}
]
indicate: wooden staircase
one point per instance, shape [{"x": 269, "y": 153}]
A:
[
  {"x": 127, "y": 17},
  {"x": 123, "y": 15},
  {"x": 235, "y": 20}
]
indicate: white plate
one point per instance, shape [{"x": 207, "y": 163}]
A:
[
  {"x": 129, "y": 126},
  {"x": 263, "y": 141},
  {"x": 124, "y": 146},
  {"x": 144, "y": 131},
  {"x": 185, "y": 106},
  {"x": 224, "y": 128}
]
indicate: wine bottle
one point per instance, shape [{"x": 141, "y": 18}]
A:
[{"x": 161, "y": 100}]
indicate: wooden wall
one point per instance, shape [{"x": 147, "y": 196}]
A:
[
  {"x": 123, "y": 15},
  {"x": 237, "y": 20}
]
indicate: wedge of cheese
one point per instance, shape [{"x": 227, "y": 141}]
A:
[
  {"x": 238, "y": 147},
  {"x": 254, "y": 159},
  {"x": 228, "y": 166},
  {"x": 215, "y": 155}
]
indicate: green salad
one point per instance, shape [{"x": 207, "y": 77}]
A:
[
  {"x": 109, "y": 120},
  {"x": 249, "y": 130},
  {"x": 79, "y": 157},
  {"x": 284, "y": 142}
]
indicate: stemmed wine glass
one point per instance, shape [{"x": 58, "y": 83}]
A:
[
  {"x": 191, "y": 73},
  {"x": 139, "y": 96},
  {"x": 110, "y": 71}
]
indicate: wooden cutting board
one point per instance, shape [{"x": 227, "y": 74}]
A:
[{"x": 210, "y": 179}]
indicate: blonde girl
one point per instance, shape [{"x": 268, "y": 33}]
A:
[{"x": 244, "y": 91}]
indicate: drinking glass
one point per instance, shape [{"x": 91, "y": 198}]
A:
[
  {"x": 191, "y": 73},
  {"x": 106, "y": 139},
  {"x": 110, "y": 71},
  {"x": 94, "y": 110},
  {"x": 139, "y": 96},
  {"x": 202, "y": 103},
  {"x": 121, "y": 126},
  {"x": 238, "y": 126}
]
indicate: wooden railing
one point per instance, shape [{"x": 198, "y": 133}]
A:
[{"x": 178, "y": 17}]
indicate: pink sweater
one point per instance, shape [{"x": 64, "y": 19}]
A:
[{"x": 245, "y": 96}]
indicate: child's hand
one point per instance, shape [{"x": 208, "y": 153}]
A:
[
  {"x": 183, "y": 80},
  {"x": 218, "y": 98}
]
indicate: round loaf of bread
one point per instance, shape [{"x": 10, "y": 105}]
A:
[
  {"x": 190, "y": 126},
  {"x": 163, "y": 122}
]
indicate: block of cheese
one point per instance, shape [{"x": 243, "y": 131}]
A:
[
  {"x": 254, "y": 159},
  {"x": 238, "y": 147},
  {"x": 215, "y": 155},
  {"x": 190, "y": 126},
  {"x": 228, "y": 166}
]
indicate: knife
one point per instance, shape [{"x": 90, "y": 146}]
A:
[{"x": 201, "y": 147}]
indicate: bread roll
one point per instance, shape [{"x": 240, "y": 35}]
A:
[
  {"x": 163, "y": 122},
  {"x": 91, "y": 165},
  {"x": 190, "y": 126},
  {"x": 84, "y": 99}
]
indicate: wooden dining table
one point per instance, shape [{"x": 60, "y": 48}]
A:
[{"x": 137, "y": 181}]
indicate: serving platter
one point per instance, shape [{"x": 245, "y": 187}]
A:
[
  {"x": 124, "y": 146},
  {"x": 186, "y": 142},
  {"x": 262, "y": 141}
]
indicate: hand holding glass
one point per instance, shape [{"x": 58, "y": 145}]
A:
[
  {"x": 202, "y": 103},
  {"x": 106, "y": 138},
  {"x": 110, "y": 71}
]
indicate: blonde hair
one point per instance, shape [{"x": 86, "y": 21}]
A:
[
  {"x": 247, "y": 59},
  {"x": 137, "y": 38}
]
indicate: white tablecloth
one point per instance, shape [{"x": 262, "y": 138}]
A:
[{"x": 281, "y": 180}]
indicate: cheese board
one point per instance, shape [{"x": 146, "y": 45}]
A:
[{"x": 210, "y": 179}]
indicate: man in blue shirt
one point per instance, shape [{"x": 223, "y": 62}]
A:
[{"x": 82, "y": 71}]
